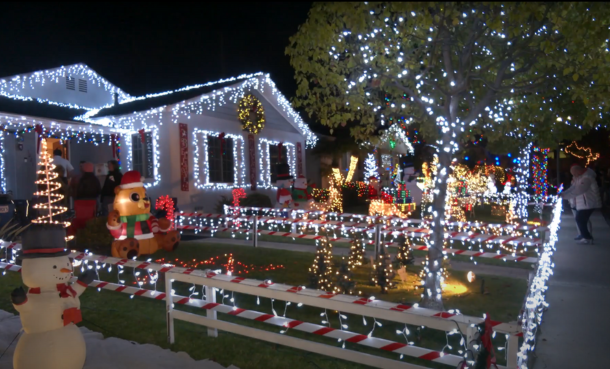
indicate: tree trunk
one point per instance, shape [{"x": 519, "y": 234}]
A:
[{"x": 433, "y": 290}]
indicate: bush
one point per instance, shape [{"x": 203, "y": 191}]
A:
[{"x": 95, "y": 236}]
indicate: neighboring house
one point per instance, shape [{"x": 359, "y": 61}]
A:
[{"x": 187, "y": 143}]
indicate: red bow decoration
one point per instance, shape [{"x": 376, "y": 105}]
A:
[
  {"x": 38, "y": 129},
  {"x": 222, "y": 143},
  {"x": 142, "y": 135},
  {"x": 279, "y": 152}
]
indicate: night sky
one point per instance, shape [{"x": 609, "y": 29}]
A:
[{"x": 151, "y": 47}]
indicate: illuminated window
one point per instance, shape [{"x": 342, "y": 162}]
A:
[
  {"x": 142, "y": 154},
  {"x": 220, "y": 156}
]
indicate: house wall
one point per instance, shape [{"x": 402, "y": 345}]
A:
[
  {"x": 20, "y": 166},
  {"x": 205, "y": 199}
]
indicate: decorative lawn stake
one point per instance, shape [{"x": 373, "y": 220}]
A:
[
  {"x": 356, "y": 253},
  {"x": 166, "y": 204},
  {"x": 50, "y": 310},
  {"x": 321, "y": 271},
  {"x": 405, "y": 254},
  {"x": 383, "y": 273},
  {"x": 344, "y": 282},
  {"x": 238, "y": 194}
]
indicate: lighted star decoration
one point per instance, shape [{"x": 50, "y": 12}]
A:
[{"x": 574, "y": 150}]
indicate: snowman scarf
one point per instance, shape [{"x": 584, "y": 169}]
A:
[{"x": 65, "y": 290}]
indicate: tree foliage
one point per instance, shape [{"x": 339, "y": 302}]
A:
[{"x": 503, "y": 68}]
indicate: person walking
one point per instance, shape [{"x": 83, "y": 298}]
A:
[
  {"x": 113, "y": 179},
  {"x": 585, "y": 194}
]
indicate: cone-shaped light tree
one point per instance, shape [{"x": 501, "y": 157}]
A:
[
  {"x": 48, "y": 186},
  {"x": 455, "y": 69}
]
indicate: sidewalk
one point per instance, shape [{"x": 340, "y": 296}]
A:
[
  {"x": 482, "y": 269},
  {"x": 104, "y": 353},
  {"x": 574, "y": 332}
]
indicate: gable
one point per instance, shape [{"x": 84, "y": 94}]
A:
[{"x": 75, "y": 86}]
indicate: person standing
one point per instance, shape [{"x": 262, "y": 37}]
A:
[
  {"x": 68, "y": 168},
  {"x": 585, "y": 194},
  {"x": 113, "y": 179},
  {"x": 88, "y": 186}
]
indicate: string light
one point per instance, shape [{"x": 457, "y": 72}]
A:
[
  {"x": 352, "y": 168},
  {"x": 370, "y": 168},
  {"x": 588, "y": 154},
  {"x": 539, "y": 172}
]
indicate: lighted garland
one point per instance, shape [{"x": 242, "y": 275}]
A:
[{"x": 251, "y": 114}]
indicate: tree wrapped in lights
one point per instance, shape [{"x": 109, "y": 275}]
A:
[
  {"x": 356, "y": 253},
  {"x": 320, "y": 273},
  {"x": 335, "y": 196},
  {"x": 345, "y": 282},
  {"x": 456, "y": 69},
  {"x": 405, "y": 253},
  {"x": 383, "y": 273},
  {"x": 47, "y": 191},
  {"x": 370, "y": 168}
]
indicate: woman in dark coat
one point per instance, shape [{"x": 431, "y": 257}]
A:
[{"x": 113, "y": 179}]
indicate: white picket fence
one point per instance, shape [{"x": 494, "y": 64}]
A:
[{"x": 370, "y": 308}]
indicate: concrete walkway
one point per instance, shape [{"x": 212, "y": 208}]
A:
[
  {"x": 482, "y": 269},
  {"x": 104, "y": 353},
  {"x": 574, "y": 333}
]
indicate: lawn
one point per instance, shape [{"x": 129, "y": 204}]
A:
[{"x": 143, "y": 320}]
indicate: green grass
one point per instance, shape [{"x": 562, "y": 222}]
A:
[{"x": 143, "y": 320}]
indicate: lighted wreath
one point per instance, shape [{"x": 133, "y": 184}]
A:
[{"x": 251, "y": 114}]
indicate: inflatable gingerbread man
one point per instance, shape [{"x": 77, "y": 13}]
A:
[{"x": 135, "y": 230}]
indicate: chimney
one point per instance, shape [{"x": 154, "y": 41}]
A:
[{"x": 116, "y": 98}]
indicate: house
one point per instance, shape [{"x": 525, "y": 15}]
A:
[{"x": 188, "y": 143}]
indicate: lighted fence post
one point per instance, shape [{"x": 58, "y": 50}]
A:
[
  {"x": 168, "y": 305},
  {"x": 255, "y": 231},
  {"x": 210, "y": 298}
]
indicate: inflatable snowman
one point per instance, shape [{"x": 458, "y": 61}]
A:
[
  {"x": 283, "y": 183},
  {"x": 301, "y": 197},
  {"x": 50, "y": 309}
]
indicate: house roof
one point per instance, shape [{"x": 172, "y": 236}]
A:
[
  {"x": 10, "y": 86},
  {"x": 151, "y": 101},
  {"x": 36, "y": 109}
]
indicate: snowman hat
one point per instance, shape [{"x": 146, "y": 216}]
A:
[
  {"x": 43, "y": 240},
  {"x": 283, "y": 172},
  {"x": 132, "y": 179}
]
